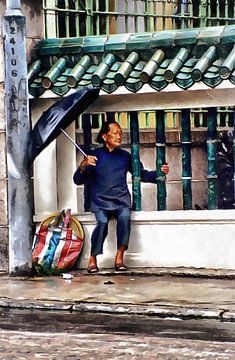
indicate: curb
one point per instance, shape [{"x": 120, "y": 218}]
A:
[
  {"x": 167, "y": 272},
  {"x": 163, "y": 312},
  {"x": 227, "y": 274},
  {"x": 150, "y": 311}
]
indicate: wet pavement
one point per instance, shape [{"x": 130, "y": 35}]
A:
[
  {"x": 147, "y": 314},
  {"x": 28, "y": 345},
  {"x": 100, "y": 323},
  {"x": 132, "y": 293}
]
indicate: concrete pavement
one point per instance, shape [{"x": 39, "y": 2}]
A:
[{"x": 166, "y": 293}]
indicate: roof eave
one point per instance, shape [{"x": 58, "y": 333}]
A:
[{"x": 172, "y": 97}]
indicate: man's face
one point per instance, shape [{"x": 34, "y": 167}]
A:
[{"x": 113, "y": 137}]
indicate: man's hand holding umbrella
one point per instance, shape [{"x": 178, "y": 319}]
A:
[{"x": 88, "y": 160}]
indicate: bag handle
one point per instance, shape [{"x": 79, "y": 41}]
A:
[
  {"x": 58, "y": 221},
  {"x": 67, "y": 218},
  {"x": 62, "y": 219},
  {"x": 75, "y": 224}
]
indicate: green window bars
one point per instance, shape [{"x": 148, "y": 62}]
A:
[
  {"x": 74, "y": 18},
  {"x": 200, "y": 126}
]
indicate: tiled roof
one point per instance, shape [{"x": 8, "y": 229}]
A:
[{"x": 183, "y": 57}]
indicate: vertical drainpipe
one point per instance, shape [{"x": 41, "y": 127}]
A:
[{"x": 18, "y": 132}]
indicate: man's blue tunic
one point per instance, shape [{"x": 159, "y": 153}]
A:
[{"x": 109, "y": 190}]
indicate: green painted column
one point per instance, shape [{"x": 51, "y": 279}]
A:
[
  {"x": 211, "y": 157},
  {"x": 89, "y": 17},
  {"x": 160, "y": 160},
  {"x": 136, "y": 191},
  {"x": 203, "y": 12},
  {"x": 186, "y": 159},
  {"x": 87, "y": 137}
]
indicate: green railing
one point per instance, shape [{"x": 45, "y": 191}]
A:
[
  {"x": 198, "y": 119},
  {"x": 200, "y": 128},
  {"x": 97, "y": 17}
]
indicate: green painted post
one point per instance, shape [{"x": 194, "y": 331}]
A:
[
  {"x": 97, "y": 18},
  {"x": 134, "y": 132},
  {"x": 89, "y": 17},
  {"x": 77, "y": 20},
  {"x": 202, "y": 12},
  {"x": 160, "y": 160},
  {"x": 186, "y": 159},
  {"x": 211, "y": 157},
  {"x": 147, "y": 18},
  {"x": 87, "y": 137},
  {"x": 67, "y": 19},
  {"x": 107, "y": 17}
]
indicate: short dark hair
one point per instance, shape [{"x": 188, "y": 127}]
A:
[{"x": 104, "y": 129}]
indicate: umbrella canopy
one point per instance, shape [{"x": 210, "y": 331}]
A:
[{"x": 58, "y": 117}]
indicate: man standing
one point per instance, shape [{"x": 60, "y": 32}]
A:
[{"x": 106, "y": 169}]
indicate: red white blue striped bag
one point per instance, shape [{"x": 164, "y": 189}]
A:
[{"x": 57, "y": 244}]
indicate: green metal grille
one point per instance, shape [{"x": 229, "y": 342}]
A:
[
  {"x": 96, "y": 17},
  {"x": 207, "y": 123},
  {"x": 147, "y": 120}
]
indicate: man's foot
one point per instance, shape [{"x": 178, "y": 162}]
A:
[
  {"x": 119, "y": 259},
  {"x": 92, "y": 265},
  {"x": 120, "y": 267},
  {"x": 93, "y": 269}
]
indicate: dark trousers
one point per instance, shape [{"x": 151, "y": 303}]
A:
[{"x": 101, "y": 230}]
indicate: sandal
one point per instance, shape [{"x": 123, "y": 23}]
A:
[
  {"x": 120, "y": 267},
  {"x": 93, "y": 269}
]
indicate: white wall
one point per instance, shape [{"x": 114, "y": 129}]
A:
[{"x": 200, "y": 239}]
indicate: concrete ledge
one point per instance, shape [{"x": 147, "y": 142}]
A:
[
  {"x": 189, "y": 216},
  {"x": 168, "y": 239}
]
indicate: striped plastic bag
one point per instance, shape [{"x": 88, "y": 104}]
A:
[{"x": 57, "y": 243}]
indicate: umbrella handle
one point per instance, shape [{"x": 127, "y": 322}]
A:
[{"x": 73, "y": 142}]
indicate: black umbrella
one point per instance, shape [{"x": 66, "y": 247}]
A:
[{"x": 58, "y": 117}]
